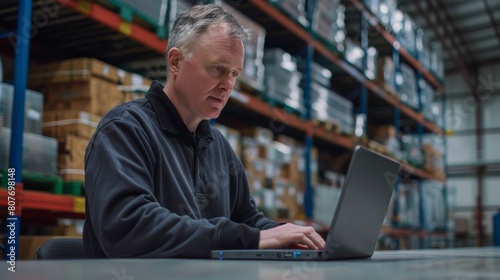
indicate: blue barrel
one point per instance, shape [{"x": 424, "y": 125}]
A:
[{"x": 496, "y": 229}]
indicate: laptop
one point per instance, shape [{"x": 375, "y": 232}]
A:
[{"x": 357, "y": 220}]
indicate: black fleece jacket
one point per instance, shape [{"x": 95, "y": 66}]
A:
[{"x": 156, "y": 190}]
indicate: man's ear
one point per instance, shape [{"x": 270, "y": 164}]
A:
[{"x": 174, "y": 58}]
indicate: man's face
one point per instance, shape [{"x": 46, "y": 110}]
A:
[{"x": 205, "y": 79}]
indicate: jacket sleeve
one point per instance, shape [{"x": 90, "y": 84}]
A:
[{"x": 127, "y": 220}]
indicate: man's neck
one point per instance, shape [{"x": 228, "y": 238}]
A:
[{"x": 190, "y": 123}]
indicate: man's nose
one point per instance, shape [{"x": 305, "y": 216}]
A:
[{"x": 227, "y": 83}]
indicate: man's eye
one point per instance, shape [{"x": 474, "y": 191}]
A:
[
  {"x": 235, "y": 74},
  {"x": 217, "y": 70}
]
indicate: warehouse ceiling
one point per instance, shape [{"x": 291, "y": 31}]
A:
[{"x": 468, "y": 31}]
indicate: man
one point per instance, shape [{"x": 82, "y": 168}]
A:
[{"x": 160, "y": 181}]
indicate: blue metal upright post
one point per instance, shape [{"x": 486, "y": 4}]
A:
[
  {"x": 308, "y": 196},
  {"x": 396, "y": 120},
  {"x": 16, "y": 141},
  {"x": 420, "y": 135},
  {"x": 364, "y": 93},
  {"x": 445, "y": 169}
]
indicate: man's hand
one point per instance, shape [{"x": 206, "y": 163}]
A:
[{"x": 288, "y": 235}]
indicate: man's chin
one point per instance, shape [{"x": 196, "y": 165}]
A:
[{"x": 215, "y": 114}]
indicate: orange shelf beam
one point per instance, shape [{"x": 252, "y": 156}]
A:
[
  {"x": 114, "y": 21},
  {"x": 319, "y": 47},
  {"x": 261, "y": 107},
  {"x": 390, "y": 38},
  {"x": 36, "y": 200},
  {"x": 340, "y": 140}
]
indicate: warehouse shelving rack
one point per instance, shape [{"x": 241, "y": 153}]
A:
[
  {"x": 399, "y": 52},
  {"x": 145, "y": 42}
]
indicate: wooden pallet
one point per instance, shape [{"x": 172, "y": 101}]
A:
[
  {"x": 37, "y": 182},
  {"x": 73, "y": 188},
  {"x": 331, "y": 126}
]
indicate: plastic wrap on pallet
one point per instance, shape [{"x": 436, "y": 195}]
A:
[
  {"x": 329, "y": 22},
  {"x": 254, "y": 48},
  {"x": 153, "y": 11},
  {"x": 437, "y": 118},
  {"x": 282, "y": 79},
  {"x": 404, "y": 28},
  {"x": 407, "y": 37},
  {"x": 372, "y": 5},
  {"x": 386, "y": 74},
  {"x": 289, "y": 95},
  {"x": 427, "y": 97},
  {"x": 325, "y": 199},
  {"x": 411, "y": 149},
  {"x": 407, "y": 85},
  {"x": 39, "y": 152},
  {"x": 280, "y": 58},
  {"x": 319, "y": 73},
  {"x": 328, "y": 106},
  {"x": 408, "y": 201},
  {"x": 371, "y": 63},
  {"x": 33, "y": 112},
  {"x": 385, "y": 11},
  {"x": 437, "y": 66},
  {"x": 434, "y": 205},
  {"x": 423, "y": 49},
  {"x": 294, "y": 8},
  {"x": 354, "y": 53}
]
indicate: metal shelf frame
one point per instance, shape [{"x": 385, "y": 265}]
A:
[
  {"x": 110, "y": 19},
  {"x": 396, "y": 45},
  {"x": 23, "y": 36}
]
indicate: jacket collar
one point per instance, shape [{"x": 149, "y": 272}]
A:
[{"x": 169, "y": 118}]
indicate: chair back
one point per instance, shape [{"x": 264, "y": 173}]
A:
[{"x": 61, "y": 248}]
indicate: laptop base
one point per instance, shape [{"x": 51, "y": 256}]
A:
[{"x": 271, "y": 254}]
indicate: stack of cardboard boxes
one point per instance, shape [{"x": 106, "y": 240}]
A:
[
  {"x": 275, "y": 171},
  {"x": 78, "y": 92}
]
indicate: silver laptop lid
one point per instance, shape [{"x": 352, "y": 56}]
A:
[{"x": 362, "y": 206}]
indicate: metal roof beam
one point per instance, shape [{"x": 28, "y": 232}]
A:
[
  {"x": 453, "y": 53},
  {"x": 461, "y": 41},
  {"x": 449, "y": 35},
  {"x": 475, "y": 28},
  {"x": 492, "y": 19}
]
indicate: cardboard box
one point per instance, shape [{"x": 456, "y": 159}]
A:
[
  {"x": 71, "y": 70},
  {"x": 383, "y": 132},
  {"x": 131, "y": 79},
  {"x": 73, "y": 122},
  {"x": 386, "y": 75},
  {"x": 262, "y": 135},
  {"x": 71, "y": 157},
  {"x": 131, "y": 96},
  {"x": 96, "y": 96}
]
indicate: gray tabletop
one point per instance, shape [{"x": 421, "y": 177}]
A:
[{"x": 449, "y": 264}]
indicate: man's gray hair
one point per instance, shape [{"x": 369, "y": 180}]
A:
[{"x": 196, "y": 20}]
